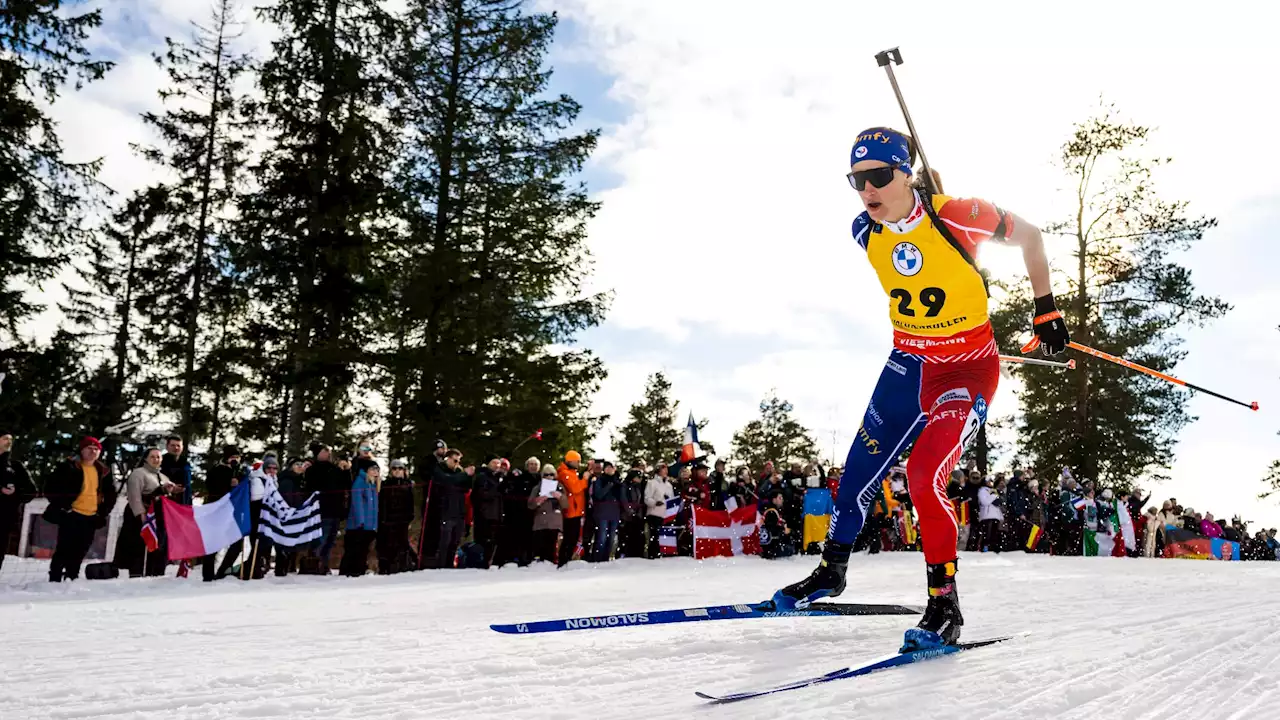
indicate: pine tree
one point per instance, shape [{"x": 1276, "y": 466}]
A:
[
  {"x": 1126, "y": 296},
  {"x": 204, "y": 132},
  {"x": 43, "y": 196},
  {"x": 312, "y": 230},
  {"x": 774, "y": 436},
  {"x": 38, "y": 399},
  {"x": 650, "y": 432},
  {"x": 492, "y": 249},
  {"x": 109, "y": 310}
]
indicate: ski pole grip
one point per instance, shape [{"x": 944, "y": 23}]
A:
[{"x": 884, "y": 57}]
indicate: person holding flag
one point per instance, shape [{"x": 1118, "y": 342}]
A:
[
  {"x": 142, "y": 487},
  {"x": 942, "y": 372}
]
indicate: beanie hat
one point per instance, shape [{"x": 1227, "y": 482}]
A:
[
  {"x": 88, "y": 441},
  {"x": 572, "y": 456}
]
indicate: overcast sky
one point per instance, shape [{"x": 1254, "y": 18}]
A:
[{"x": 724, "y": 231}]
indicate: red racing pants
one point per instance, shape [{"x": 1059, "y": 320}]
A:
[{"x": 938, "y": 406}]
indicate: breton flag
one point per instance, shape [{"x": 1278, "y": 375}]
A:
[
  {"x": 720, "y": 532},
  {"x": 150, "y": 537},
  {"x": 284, "y": 524},
  {"x": 674, "y": 506},
  {"x": 690, "y": 450},
  {"x": 667, "y": 539},
  {"x": 205, "y": 529}
]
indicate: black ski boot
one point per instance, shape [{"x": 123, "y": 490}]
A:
[
  {"x": 827, "y": 580},
  {"x": 942, "y": 620}
]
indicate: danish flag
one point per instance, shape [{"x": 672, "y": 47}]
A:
[{"x": 725, "y": 533}]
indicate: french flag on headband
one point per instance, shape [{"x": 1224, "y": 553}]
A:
[
  {"x": 690, "y": 450},
  {"x": 674, "y": 506},
  {"x": 150, "y": 536},
  {"x": 205, "y": 529},
  {"x": 667, "y": 540}
]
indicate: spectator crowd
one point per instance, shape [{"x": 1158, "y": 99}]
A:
[{"x": 446, "y": 513}]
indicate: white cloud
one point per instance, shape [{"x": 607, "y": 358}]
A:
[{"x": 732, "y": 155}]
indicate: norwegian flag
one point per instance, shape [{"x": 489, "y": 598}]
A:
[
  {"x": 667, "y": 539},
  {"x": 674, "y": 506},
  {"x": 150, "y": 534},
  {"x": 720, "y": 532}
]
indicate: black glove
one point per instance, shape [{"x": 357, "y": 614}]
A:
[{"x": 1050, "y": 328}]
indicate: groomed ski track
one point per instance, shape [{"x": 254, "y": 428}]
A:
[{"x": 1109, "y": 637}]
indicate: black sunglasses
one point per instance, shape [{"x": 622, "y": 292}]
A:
[
  {"x": 548, "y": 474},
  {"x": 878, "y": 177}
]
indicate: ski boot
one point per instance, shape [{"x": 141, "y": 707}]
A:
[
  {"x": 827, "y": 580},
  {"x": 942, "y": 620}
]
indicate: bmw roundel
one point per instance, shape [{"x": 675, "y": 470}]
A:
[{"x": 907, "y": 258}]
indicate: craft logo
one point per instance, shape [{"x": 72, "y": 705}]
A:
[
  {"x": 606, "y": 621},
  {"x": 907, "y": 259},
  {"x": 873, "y": 445}
]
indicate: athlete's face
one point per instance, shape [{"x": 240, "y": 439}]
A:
[{"x": 889, "y": 203}]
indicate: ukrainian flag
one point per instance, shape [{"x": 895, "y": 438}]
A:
[{"x": 817, "y": 514}]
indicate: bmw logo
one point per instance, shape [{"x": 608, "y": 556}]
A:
[{"x": 907, "y": 259}]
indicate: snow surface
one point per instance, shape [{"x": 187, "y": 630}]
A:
[{"x": 1108, "y": 638}]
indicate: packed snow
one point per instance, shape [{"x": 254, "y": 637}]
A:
[{"x": 1108, "y": 637}]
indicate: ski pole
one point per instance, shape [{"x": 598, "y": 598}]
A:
[
  {"x": 1035, "y": 343},
  {"x": 1068, "y": 365},
  {"x": 887, "y": 59}
]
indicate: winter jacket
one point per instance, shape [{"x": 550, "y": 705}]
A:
[
  {"x": 257, "y": 484},
  {"x": 1169, "y": 517},
  {"x": 333, "y": 484},
  {"x": 606, "y": 496},
  {"x": 395, "y": 501},
  {"x": 450, "y": 493},
  {"x": 364, "y": 505},
  {"x": 656, "y": 493},
  {"x": 486, "y": 497},
  {"x": 989, "y": 505},
  {"x": 546, "y": 514},
  {"x": 1210, "y": 529},
  {"x": 142, "y": 487},
  {"x": 290, "y": 485},
  {"x": 68, "y": 480},
  {"x": 178, "y": 470},
  {"x": 516, "y": 512},
  {"x": 218, "y": 483},
  {"x": 773, "y": 533},
  {"x": 1154, "y": 527},
  {"x": 632, "y": 493},
  {"x": 575, "y": 499},
  {"x": 13, "y": 473},
  {"x": 1019, "y": 499}
]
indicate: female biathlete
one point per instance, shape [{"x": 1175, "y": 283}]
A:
[{"x": 943, "y": 369}]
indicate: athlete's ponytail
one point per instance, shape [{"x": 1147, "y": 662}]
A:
[{"x": 917, "y": 180}]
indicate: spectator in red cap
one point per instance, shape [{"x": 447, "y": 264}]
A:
[{"x": 81, "y": 495}]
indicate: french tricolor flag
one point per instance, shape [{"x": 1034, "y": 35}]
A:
[
  {"x": 690, "y": 450},
  {"x": 667, "y": 540},
  {"x": 674, "y": 506},
  {"x": 205, "y": 529}
]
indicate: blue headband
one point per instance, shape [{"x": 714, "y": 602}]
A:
[{"x": 886, "y": 146}]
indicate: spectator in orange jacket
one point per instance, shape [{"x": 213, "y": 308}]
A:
[{"x": 575, "y": 504}]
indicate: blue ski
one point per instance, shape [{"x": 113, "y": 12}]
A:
[
  {"x": 896, "y": 660},
  {"x": 711, "y": 612}
]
